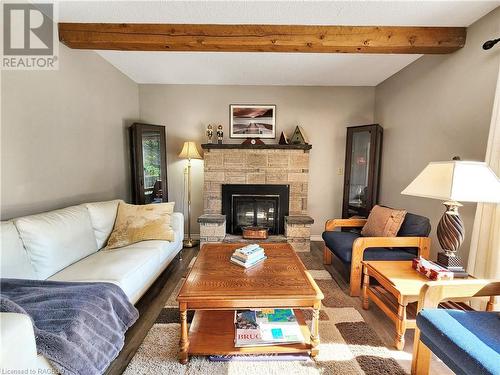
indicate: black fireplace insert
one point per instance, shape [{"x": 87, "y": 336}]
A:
[{"x": 255, "y": 205}]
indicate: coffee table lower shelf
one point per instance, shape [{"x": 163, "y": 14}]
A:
[{"x": 212, "y": 333}]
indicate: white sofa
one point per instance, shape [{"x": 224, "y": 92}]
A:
[{"x": 67, "y": 245}]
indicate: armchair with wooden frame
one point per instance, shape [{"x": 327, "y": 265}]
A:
[
  {"x": 468, "y": 342},
  {"x": 351, "y": 248}
]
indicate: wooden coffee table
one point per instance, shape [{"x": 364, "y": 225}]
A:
[
  {"x": 399, "y": 287},
  {"x": 215, "y": 287}
]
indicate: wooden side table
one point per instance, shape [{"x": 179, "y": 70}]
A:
[{"x": 398, "y": 286}]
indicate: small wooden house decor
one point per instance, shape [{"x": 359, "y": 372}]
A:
[
  {"x": 299, "y": 137},
  {"x": 283, "y": 139}
]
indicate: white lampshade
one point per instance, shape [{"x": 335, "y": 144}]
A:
[
  {"x": 189, "y": 151},
  {"x": 460, "y": 181}
]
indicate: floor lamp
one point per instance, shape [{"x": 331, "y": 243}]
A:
[{"x": 189, "y": 151}]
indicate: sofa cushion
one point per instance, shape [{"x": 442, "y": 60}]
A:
[
  {"x": 415, "y": 226},
  {"x": 102, "y": 216},
  {"x": 467, "y": 341},
  {"x": 133, "y": 271},
  {"x": 135, "y": 223},
  {"x": 383, "y": 222},
  {"x": 15, "y": 261},
  {"x": 340, "y": 243},
  {"x": 167, "y": 249},
  {"x": 56, "y": 239},
  {"x": 385, "y": 253}
]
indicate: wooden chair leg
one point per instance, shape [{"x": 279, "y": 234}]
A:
[
  {"x": 327, "y": 255},
  {"x": 358, "y": 249},
  {"x": 355, "y": 280},
  {"x": 421, "y": 361}
]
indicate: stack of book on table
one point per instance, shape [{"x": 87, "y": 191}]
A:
[
  {"x": 266, "y": 327},
  {"x": 248, "y": 256}
]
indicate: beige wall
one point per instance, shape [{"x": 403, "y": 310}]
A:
[
  {"x": 63, "y": 137},
  {"x": 434, "y": 109},
  {"x": 63, "y": 134},
  {"x": 324, "y": 113}
]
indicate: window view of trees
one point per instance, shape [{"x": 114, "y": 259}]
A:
[{"x": 151, "y": 160}]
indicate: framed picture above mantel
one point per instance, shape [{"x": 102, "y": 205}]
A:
[{"x": 252, "y": 121}]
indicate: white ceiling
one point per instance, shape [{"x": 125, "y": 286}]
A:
[{"x": 269, "y": 68}]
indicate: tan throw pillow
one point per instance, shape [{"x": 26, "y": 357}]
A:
[
  {"x": 383, "y": 222},
  {"x": 135, "y": 223}
]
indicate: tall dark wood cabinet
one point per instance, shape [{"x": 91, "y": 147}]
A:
[
  {"x": 149, "y": 163},
  {"x": 362, "y": 169}
]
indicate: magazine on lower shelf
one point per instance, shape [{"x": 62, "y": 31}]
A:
[{"x": 266, "y": 327}]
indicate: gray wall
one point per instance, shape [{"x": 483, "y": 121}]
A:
[
  {"x": 434, "y": 109},
  {"x": 63, "y": 138},
  {"x": 323, "y": 112}
]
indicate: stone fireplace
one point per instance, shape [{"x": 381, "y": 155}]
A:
[{"x": 265, "y": 185}]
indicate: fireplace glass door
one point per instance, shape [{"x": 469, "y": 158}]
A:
[
  {"x": 261, "y": 211},
  {"x": 255, "y": 205}
]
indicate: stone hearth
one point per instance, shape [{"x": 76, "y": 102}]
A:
[{"x": 256, "y": 164}]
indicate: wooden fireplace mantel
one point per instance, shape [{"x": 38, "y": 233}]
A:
[{"x": 232, "y": 146}]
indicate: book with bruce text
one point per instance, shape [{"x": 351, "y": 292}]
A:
[{"x": 266, "y": 327}]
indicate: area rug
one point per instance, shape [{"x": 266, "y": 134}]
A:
[{"x": 348, "y": 344}]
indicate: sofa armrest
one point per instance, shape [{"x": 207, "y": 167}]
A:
[
  {"x": 177, "y": 222},
  {"x": 361, "y": 244},
  {"x": 18, "y": 347},
  {"x": 332, "y": 224}
]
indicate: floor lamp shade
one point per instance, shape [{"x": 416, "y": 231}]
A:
[{"x": 189, "y": 151}]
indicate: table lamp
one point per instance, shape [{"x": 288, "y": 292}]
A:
[
  {"x": 189, "y": 151},
  {"x": 451, "y": 182}
]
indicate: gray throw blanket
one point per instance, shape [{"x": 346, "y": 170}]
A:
[{"x": 79, "y": 327}]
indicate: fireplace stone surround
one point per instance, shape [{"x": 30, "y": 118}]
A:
[{"x": 256, "y": 165}]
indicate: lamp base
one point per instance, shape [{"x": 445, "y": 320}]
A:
[
  {"x": 188, "y": 243},
  {"x": 453, "y": 263}
]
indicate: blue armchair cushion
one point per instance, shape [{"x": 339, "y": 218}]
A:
[
  {"x": 467, "y": 341},
  {"x": 415, "y": 226},
  {"x": 340, "y": 243}
]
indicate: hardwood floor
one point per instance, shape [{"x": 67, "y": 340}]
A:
[{"x": 152, "y": 302}]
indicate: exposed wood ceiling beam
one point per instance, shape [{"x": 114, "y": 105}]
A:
[{"x": 262, "y": 38}]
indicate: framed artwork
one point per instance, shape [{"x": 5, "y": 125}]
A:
[{"x": 252, "y": 121}]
